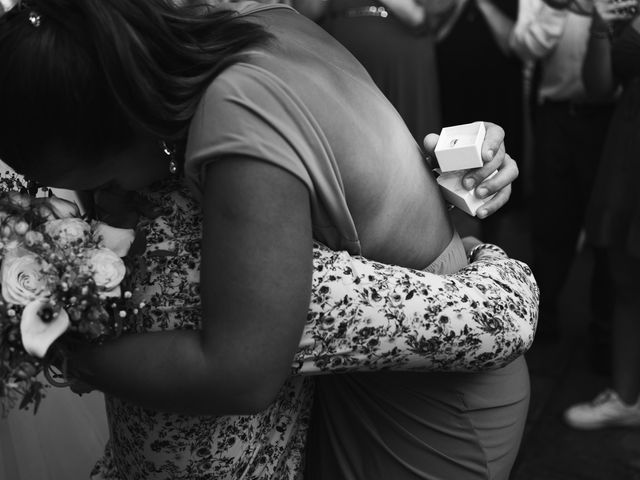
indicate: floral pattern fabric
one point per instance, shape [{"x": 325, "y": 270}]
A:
[
  {"x": 366, "y": 315},
  {"x": 363, "y": 316}
]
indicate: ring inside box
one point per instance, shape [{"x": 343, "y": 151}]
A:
[
  {"x": 461, "y": 140},
  {"x": 459, "y": 147}
]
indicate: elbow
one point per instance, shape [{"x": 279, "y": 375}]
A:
[
  {"x": 257, "y": 399},
  {"x": 527, "y": 335},
  {"x": 529, "y": 324},
  {"x": 250, "y": 393}
]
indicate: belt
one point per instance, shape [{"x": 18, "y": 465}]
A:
[{"x": 371, "y": 11}]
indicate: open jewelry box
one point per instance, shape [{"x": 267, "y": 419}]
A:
[{"x": 458, "y": 150}]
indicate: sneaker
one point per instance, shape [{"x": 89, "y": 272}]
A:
[{"x": 606, "y": 410}]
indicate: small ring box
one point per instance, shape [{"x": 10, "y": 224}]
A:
[
  {"x": 458, "y": 150},
  {"x": 460, "y": 147}
]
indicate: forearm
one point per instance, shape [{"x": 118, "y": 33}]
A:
[
  {"x": 367, "y": 316},
  {"x": 597, "y": 72},
  {"x": 500, "y": 25},
  {"x": 168, "y": 371}
]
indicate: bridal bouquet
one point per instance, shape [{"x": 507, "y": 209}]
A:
[{"x": 59, "y": 275}]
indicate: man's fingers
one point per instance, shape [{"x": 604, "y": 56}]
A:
[
  {"x": 495, "y": 203},
  {"x": 478, "y": 175},
  {"x": 430, "y": 142},
  {"x": 505, "y": 176},
  {"x": 493, "y": 141}
]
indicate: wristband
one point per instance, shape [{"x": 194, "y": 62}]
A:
[{"x": 473, "y": 253}]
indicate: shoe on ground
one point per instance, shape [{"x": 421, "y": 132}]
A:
[{"x": 606, "y": 410}]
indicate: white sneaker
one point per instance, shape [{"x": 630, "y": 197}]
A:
[{"x": 606, "y": 410}]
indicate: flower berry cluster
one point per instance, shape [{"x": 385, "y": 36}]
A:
[{"x": 60, "y": 275}]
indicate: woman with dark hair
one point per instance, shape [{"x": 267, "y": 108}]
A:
[{"x": 283, "y": 139}]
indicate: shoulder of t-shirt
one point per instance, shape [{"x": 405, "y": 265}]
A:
[{"x": 250, "y": 7}]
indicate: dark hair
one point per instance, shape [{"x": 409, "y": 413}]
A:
[{"x": 95, "y": 70}]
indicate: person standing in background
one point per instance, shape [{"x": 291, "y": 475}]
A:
[
  {"x": 569, "y": 131},
  {"x": 613, "y": 215}
]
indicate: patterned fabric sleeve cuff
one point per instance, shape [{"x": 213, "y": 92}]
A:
[{"x": 486, "y": 251}]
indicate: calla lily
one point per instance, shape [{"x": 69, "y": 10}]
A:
[
  {"x": 38, "y": 332},
  {"x": 62, "y": 208}
]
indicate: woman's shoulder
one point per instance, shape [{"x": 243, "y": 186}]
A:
[{"x": 243, "y": 89}]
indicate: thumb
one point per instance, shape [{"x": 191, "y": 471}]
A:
[{"x": 430, "y": 142}]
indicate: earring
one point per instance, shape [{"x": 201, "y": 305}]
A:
[
  {"x": 170, "y": 151},
  {"x": 34, "y": 19}
]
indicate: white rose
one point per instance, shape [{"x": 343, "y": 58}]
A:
[
  {"x": 107, "y": 270},
  {"x": 67, "y": 230},
  {"x": 22, "y": 279},
  {"x": 118, "y": 240},
  {"x": 40, "y": 326}
]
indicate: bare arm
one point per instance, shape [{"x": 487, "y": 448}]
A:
[{"x": 256, "y": 272}]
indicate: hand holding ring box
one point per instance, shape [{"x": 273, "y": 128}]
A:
[{"x": 459, "y": 149}]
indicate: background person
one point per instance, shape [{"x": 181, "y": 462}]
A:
[{"x": 613, "y": 216}]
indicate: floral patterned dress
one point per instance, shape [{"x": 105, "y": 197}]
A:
[{"x": 363, "y": 316}]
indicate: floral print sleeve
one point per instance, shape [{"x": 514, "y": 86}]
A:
[{"x": 365, "y": 315}]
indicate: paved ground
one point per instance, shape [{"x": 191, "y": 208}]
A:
[{"x": 561, "y": 376}]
